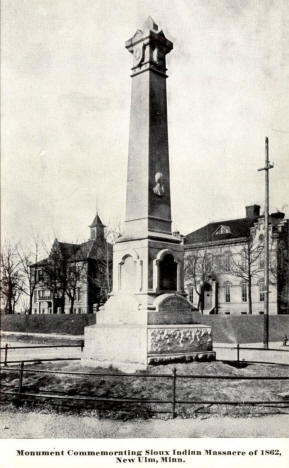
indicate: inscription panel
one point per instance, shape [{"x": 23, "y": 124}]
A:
[{"x": 172, "y": 303}]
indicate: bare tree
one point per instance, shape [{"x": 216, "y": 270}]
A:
[
  {"x": 11, "y": 277},
  {"x": 198, "y": 268},
  {"x": 76, "y": 273},
  {"x": 27, "y": 258},
  {"x": 279, "y": 274},
  {"x": 246, "y": 265},
  {"x": 112, "y": 233},
  {"x": 54, "y": 275}
]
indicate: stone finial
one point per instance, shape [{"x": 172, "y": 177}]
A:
[
  {"x": 150, "y": 24},
  {"x": 149, "y": 47}
]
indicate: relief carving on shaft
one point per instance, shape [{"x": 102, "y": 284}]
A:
[
  {"x": 159, "y": 188},
  {"x": 179, "y": 340}
]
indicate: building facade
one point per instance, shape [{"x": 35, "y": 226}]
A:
[
  {"x": 74, "y": 278},
  {"x": 224, "y": 265}
]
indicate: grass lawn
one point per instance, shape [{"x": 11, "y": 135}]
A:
[{"x": 159, "y": 388}]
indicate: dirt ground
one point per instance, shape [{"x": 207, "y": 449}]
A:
[{"x": 37, "y": 425}]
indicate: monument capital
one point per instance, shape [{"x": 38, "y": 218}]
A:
[{"x": 149, "y": 47}]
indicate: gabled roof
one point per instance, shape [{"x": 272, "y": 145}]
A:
[
  {"x": 79, "y": 252},
  {"x": 211, "y": 232},
  {"x": 68, "y": 249}
]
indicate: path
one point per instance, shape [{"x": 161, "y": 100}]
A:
[
  {"x": 224, "y": 352},
  {"x": 38, "y": 425}
]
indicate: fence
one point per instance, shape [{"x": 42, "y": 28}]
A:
[
  {"x": 7, "y": 347},
  {"x": 238, "y": 348},
  {"x": 249, "y": 348},
  {"x": 173, "y": 401}
]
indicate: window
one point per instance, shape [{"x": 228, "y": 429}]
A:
[
  {"x": 39, "y": 275},
  {"x": 208, "y": 262},
  {"x": 223, "y": 230},
  {"x": 261, "y": 261},
  {"x": 35, "y": 296},
  {"x": 261, "y": 312},
  {"x": 218, "y": 262},
  {"x": 227, "y": 261},
  {"x": 78, "y": 294},
  {"x": 227, "y": 313},
  {"x": 244, "y": 261},
  {"x": 261, "y": 291},
  {"x": 244, "y": 292},
  {"x": 244, "y": 313},
  {"x": 227, "y": 292},
  {"x": 191, "y": 295}
]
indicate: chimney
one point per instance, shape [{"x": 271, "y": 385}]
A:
[
  {"x": 252, "y": 211},
  {"x": 277, "y": 215}
]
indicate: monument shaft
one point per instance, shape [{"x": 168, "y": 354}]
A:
[{"x": 148, "y": 203}]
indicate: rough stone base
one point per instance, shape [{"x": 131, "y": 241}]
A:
[{"x": 204, "y": 356}]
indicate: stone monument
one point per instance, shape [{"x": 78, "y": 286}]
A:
[{"x": 147, "y": 318}]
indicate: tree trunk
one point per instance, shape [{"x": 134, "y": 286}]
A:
[
  {"x": 250, "y": 295},
  {"x": 30, "y": 304},
  {"x": 71, "y": 305},
  {"x": 201, "y": 304}
]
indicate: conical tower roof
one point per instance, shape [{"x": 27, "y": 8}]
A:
[{"x": 96, "y": 222}]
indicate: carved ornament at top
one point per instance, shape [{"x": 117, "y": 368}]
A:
[{"x": 149, "y": 47}]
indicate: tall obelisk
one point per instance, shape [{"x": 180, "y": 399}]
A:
[
  {"x": 148, "y": 203},
  {"x": 147, "y": 317}
]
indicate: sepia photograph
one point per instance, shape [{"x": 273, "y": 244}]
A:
[{"x": 144, "y": 232}]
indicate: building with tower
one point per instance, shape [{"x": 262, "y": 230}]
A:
[{"x": 74, "y": 278}]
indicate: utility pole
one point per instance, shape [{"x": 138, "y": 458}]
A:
[{"x": 267, "y": 167}]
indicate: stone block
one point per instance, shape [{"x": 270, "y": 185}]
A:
[{"x": 122, "y": 346}]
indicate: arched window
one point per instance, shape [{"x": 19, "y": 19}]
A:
[
  {"x": 128, "y": 274},
  {"x": 168, "y": 273},
  {"x": 207, "y": 291}
]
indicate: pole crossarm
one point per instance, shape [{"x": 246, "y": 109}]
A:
[{"x": 267, "y": 168}]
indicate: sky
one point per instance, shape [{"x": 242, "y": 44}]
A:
[{"x": 66, "y": 103}]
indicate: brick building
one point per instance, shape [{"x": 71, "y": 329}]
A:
[
  {"x": 74, "y": 278},
  {"x": 224, "y": 265}
]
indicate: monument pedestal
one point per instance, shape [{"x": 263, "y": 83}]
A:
[
  {"x": 133, "y": 347},
  {"x": 130, "y": 336}
]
